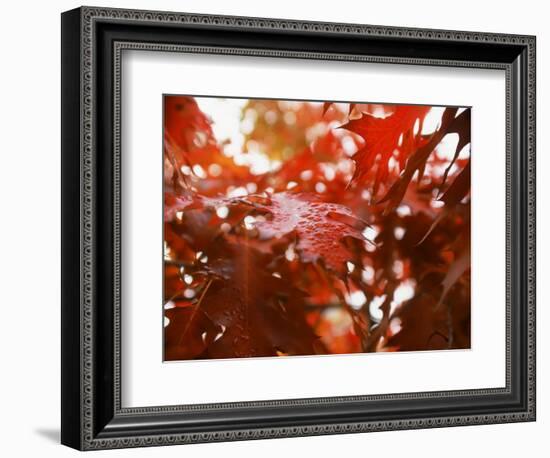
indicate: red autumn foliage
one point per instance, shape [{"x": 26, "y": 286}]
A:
[
  {"x": 382, "y": 139},
  {"x": 352, "y": 237}
]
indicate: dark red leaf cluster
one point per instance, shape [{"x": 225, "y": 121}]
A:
[{"x": 356, "y": 239}]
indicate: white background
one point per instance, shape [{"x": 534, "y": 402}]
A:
[
  {"x": 30, "y": 241},
  {"x": 147, "y": 381}
]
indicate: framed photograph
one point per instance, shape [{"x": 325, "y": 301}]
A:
[{"x": 277, "y": 228}]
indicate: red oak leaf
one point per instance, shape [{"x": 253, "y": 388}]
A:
[
  {"x": 241, "y": 311},
  {"x": 321, "y": 228},
  {"x": 450, "y": 123},
  {"x": 183, "y": 119},
  {"x": 458, "y": 190},
  {"x": 381, "y": 136},
  {"x": 188, "y": 333}
]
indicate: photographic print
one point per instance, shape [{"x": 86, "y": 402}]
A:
[{"x": 298, "y": 227}]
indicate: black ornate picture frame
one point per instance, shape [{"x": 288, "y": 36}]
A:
[{"x": 92, "y": 42}]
